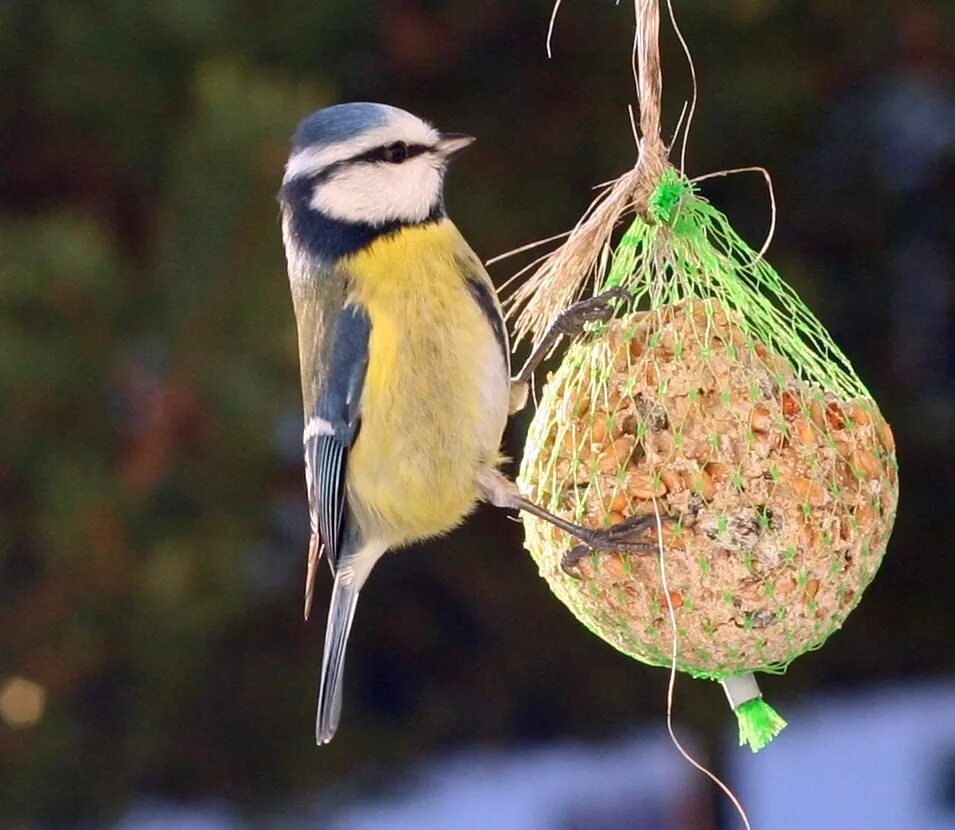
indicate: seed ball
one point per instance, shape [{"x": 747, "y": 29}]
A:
[{"x": 778, "y": 496}]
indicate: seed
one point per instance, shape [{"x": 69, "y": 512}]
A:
[
  {"x": 716, "y": 471},
  {"x": 616, "y": 518},
  {"x": 782, "y": 367},
  {"x": 784, "y": 585},
  {"x": 613, "y": 564},
  {"x": 607, "y": 462},
  {"x": 818, "y": 415},
  {"x": 651, "y": 375},
  {"x": 618, "y": 504},
  {"x": 676, "y": 600},
  {"x": 673, "y": 537},
  {"x": 578, "y": 404},
  {"x": 791, "y": 406},
  {"x": 621, "y": 358},
  {"x": 864, "y": 515},
  {"x": 760, "y": 419},
  {"x": 598, "y": 432},
  {"x": 807, "y": 490},
  {"x": 859, "y": 416},
  {"x": 671, "y": 480},
  {"x": 835, "y": 416},
  {"x": 636, "y": 346},
  {"x": 689, "y": 481},
  {"x": 616, "y": 455},
  {"x": 866, "y": 462},
  {"x": 812, "y": 588},
  {"x": 643, "y": 508},
  {"x": 696, "y": 309},
  {"x": 804, "y": 432},
  {"x": 845, "y": 528},
  {"x": 719, "y": 317},
  {"x": 668, "y": 343},
  {"x": 643, "y": 487},
  {"x": 704, "y": 486},
  {"x": 885, "y": 435},
  {"x": 623, "y": 447}
]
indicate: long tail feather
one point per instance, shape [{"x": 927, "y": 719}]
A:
[{"x": 340, "y": 615}]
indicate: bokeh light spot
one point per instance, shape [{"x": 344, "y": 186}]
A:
[{"x": 21, "y": 702}]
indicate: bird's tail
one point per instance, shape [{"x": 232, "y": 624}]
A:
[{"x": 341, "y": 612}]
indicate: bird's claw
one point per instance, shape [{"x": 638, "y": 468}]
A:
[
  {"x": 596, "y": 309},
  {"x": 617, "y": 538}
]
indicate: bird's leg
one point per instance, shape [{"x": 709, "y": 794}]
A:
[
  {"x": 501, "y": 492},
  {"x": 571, "y": 322}
]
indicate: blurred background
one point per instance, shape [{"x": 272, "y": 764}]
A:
[{"x": 155, "y": 670}]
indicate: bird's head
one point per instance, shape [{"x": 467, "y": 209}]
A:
[{"x": 370, "y": 164}]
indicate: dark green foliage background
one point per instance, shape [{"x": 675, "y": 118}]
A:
[{"x": 152, "y": 526}]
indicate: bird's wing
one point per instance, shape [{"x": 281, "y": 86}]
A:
[
  {"x": 482, "y": 290},
  {"x": 332, "y": 427}
]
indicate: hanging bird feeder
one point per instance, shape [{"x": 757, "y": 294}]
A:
[{"x": 716, "y": 400}]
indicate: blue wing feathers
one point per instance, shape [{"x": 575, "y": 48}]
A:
[{"x": 338, "y": 407}]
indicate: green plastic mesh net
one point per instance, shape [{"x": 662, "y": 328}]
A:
[{"x": 715, "y": 396}]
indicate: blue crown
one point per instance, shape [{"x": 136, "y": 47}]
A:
[{"x": 341, "y": 123}]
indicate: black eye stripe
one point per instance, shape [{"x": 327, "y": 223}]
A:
[{"x": 378, "y": 154}]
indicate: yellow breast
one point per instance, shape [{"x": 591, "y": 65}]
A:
[{"x": 435, "y": 399}]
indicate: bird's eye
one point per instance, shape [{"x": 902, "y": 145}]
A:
[{"x": 395, "y": 153}]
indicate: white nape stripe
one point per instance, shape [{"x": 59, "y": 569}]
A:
[
  {"x": 300, "y": 265},
  {"x": 317, "y": 426},
  {"x": 402, "y": 127}
]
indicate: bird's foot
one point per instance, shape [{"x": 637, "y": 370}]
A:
[
  {"x": 620, "y": 538},
  {"x": 623, "y": 537},
  {"x": 571, "y": 322},
  {"x": 597, "y": 309}
]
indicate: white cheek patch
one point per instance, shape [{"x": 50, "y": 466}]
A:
[
  {"x": 402, "y": 127},
  {"x": 380, "y": 192}
]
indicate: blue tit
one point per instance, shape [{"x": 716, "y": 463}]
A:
[{"x": 405, "y": 363}]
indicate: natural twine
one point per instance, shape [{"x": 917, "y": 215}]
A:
[{"x": 560, "y": 279}]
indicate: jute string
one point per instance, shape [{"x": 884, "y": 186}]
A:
[{"x": 560, "y": 278}]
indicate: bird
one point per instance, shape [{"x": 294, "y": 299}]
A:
[{"x": 404, "y": 356}]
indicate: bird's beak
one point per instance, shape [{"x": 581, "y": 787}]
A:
[{"x": 450, "y": 144}]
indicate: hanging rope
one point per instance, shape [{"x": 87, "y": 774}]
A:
[{"x": 563, "y": 274}]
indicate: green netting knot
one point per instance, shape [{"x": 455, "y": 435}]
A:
[
  {"x": 759, "y": 723},
  {"x": 666, "y": 196}
]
